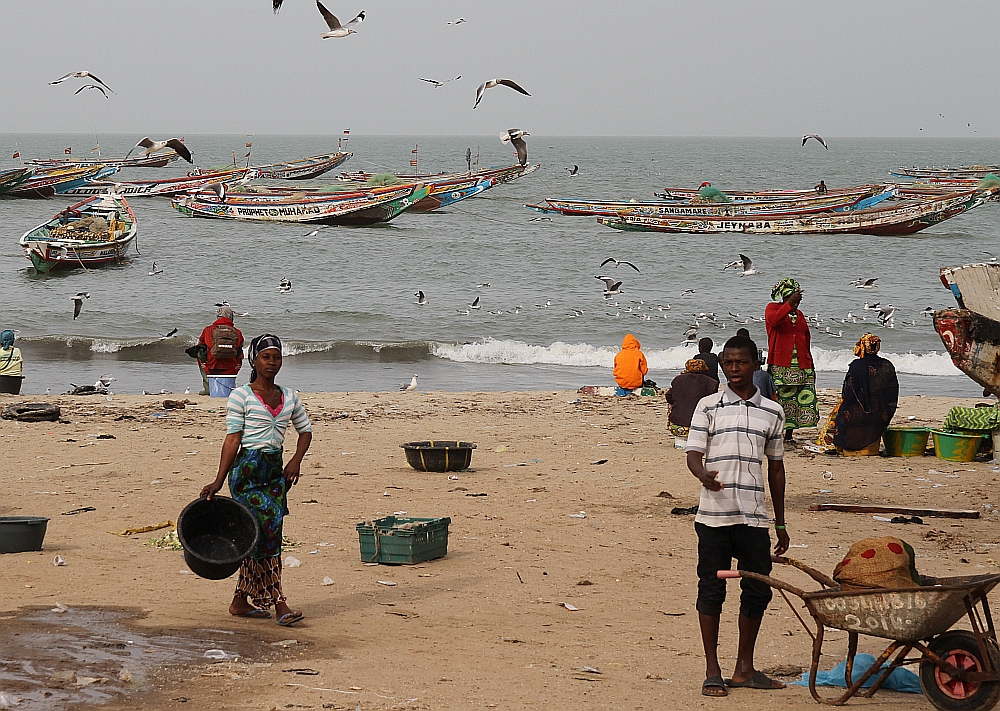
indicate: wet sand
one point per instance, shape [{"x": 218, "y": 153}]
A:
[{"x": 483, "y": 627}]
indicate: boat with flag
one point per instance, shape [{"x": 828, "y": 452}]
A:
[
  {"x": 156, "y": 160},
  {"x": 166, "y": 187},
  {"x": 355, "y": 207},
  {"x": 50, "y": 181},
  {"x": 302, "y": 169},
  {"x": 448, "y": 191},
  {"x": 97, "y": 230},
  {"x": 971, "y": 172},
  {"x": 10, "y": 179}
]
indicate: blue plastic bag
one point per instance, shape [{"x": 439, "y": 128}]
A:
[{"x": 900, "y": 680}]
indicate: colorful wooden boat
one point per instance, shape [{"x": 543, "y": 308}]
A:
[
  {"x": 447, "y": 192},
  {"x": 971, "y": 333},
  {"x": 366, "y": 207},
  {"x": 97, "y": 230},
  {"x": 50, "y": 181},
  {"x": 901, "y": 218},
  {"x": 973, "y": 171},
  {"x": 157, "y": 160},
  {"x": 689, "y": 194},
  {"x": 10, "y": 179},
  {"x": 167, "y": 187},
  {"x": 302, "y": 169}
]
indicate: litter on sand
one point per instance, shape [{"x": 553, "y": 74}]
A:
[
  {"x": 58, "y": 561},
  {"x": 387, "y": 583},
  {"x": 582, "y": 514},
  {"x": 220, "y": 654},
  {"x": 591, "y": 670},
  {"x": 143, "y": 529},
  {"x": 571, "y": 608},
  {"x": 328, "y": 580},
  {"x": 292, "y": 562},
  {"x": 59, "y": 608}
]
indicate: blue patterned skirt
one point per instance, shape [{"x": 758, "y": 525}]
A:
[{"x": 256, "y": 481}]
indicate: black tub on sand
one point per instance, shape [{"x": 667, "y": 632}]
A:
[
  {"x": 217, "y": 536},
  {"x": 439, "y": 455},
  {"x": 22, "y": 533}
]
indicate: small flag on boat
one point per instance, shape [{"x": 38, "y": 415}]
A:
[
  {"x": 96, "y": 148},
  {"x": 69, "y": 151},
  {"x": 347, "y": 131},
  {"x": 413, "y": 163},
  {"x": 249, "y": 143},
  {"x": 17, "y": 154}
]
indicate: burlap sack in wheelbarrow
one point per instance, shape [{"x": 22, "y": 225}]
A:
[{"x": 878, "y": 563}]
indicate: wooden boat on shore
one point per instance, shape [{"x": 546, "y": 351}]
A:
[
  {"x": 166, "y": 187},
  {"x": 971, "y": 333},
  {"x": 157, "y": 160},
  {"x": 302, "y": 169},
  {"x": 97, "y": 230},
  {"x": 47, "y": 182},
  {"x": 365, "y": 207},
  {"x": 900, "y": 218},
  {"x": 10, "y": 179}
]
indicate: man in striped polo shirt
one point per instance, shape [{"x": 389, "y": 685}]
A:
[{"x": 731, "y": 433}]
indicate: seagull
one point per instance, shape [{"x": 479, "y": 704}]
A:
[
  {"x": 475, "y": 304},
  {"x": 866, "y": 283},
  {"x": 437, "y": 83},
  {"x": 496, "y": 82},
  {"x": 219, "y": 189},
  {"x": 838, "y": 334},
  {"x": 663, "y": 307},
  {"x": 484, "y": 285},
  {"x": 421, "y": 299},
  {"x": 546, "y": 305},
  {"x": 990, "y": 255},
  {"x": 575, "y": 170},
  {"x": 82, "y": 75},
  {"x": 745, "y": 264},
  {"x": 540, "y": 219},
  {"x": 516, "y": 138},
  {"x": 152, "y": 146},
  {"x": 576, "y": 313},
  {"x": 172, "y": 334},
  {"x": 733, "y": 265},
  {"x": 285, "y": 285},
  {"x": 410, "y": 386},
  {"x": 687, "y": 292},
  {"x": 873, "y": 307},
  {"x": 78, "y": 302},
  {"x": 618, "y": 263},
  {"x": 104, "y": 382},
  {"x": 336, "y": 29},
  {"x": 459, "y": 21},
  {"x": 928, "y": 311},
  {"x": 816, "y": 137},
  {"x": 153, "y": 271},
  {"x": 222, "y": 303},
  {"x": 91, "y": 86},
  {"x": 612, "y": 287}
]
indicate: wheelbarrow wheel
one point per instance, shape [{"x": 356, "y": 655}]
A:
[{"x": 959, "y": 647}]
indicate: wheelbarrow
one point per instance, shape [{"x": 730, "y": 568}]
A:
[{"x": 959, "y": 670}]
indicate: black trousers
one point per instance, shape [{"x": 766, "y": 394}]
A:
[{"x": 717, "y": 546}]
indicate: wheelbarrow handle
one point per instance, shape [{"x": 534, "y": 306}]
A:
[
  {"x": 821, "y": 578},
  {"x": 766, "y": 579}
]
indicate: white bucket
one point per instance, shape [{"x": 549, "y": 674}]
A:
[
  {"x": 221, "y": 385},
  {"x": 680, "y": 443}
]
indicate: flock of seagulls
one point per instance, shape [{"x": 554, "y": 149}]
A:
[{"x": 83, "y": 75}]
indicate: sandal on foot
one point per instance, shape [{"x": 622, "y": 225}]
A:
[
  {"x": 714, "y": 686},
  {"x": 255, "y": 613},
  {"x": 290, "y": 618},
  {"x": 759, "y": 680}
]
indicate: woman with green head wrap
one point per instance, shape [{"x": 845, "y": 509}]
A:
[
  {"x": 10, "y": 364},
  {"x": 789, "y": 360}
]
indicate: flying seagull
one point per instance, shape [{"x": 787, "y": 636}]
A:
[
  {"x": 612, "y": 287},
  {"x": 276, "y": 5},
  {"x": 150, "y": 146},
  {"x": 91, "y": 86},
  {"x": 459, "y": 21},
  {"x": 866, "y": 283},
  {"x": 574, "y": 170},
  {"x": 421, "y": 299},
  {"x": 745, "y": 263},
  {"x": 496, "y": 82},
  {"x": 437, "y": 83},
  {"x": 78, "y": 302},
  {"x": 82, "y": 75},
  {"x": 516, "y": 138},
  {"x": 990, "y": 255},
  {"x": 336, "y": 29},
  {"x": 285, "y": 285},
  {"x": 618, "y": 263},
  {"x": 475, "y": 304},
  {"x": 816, "y": 137},
  {"x": 172, "y": 333},
  {"x": 153, "y": 271},
  {"x": 410, "y": 386}
]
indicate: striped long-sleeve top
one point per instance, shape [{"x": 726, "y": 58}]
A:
[{"x": 261, "y": 430}]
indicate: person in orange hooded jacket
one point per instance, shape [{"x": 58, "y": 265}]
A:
[{"x": 630, "y": 366}]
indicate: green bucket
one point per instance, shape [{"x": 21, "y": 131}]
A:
[
  {"x": 905, "y": 441},
  {"x": 955, "y": 447}
]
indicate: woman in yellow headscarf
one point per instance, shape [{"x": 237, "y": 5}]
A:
[{"x": 684, "y": 393}]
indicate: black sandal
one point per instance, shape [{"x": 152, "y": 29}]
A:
[{"x": 713, "y": 685}]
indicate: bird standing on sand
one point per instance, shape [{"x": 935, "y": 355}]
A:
[
  {"x": 82, "y": 75},
  {"x": 815, "y": 137},
  {"x": 91, "y": 86},
  {"x": 618, "y": 263},
  {"x": 78, "y": 302},
  {"x": 438, "y": 84},
  {"x": 336, "y": 29},
  {"x": 515, "y": 137},
  {"x": 410, "y": 386},
  {"x": 421, "y": 299},
  {"x": 496, "y": 82},
  {"x": 150, "y": 146}
]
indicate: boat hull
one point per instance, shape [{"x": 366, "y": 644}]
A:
[
  {"x": 303, "y": 169},
  {"x": 163, "y": 188},
  {"x": 158, "y": 160},
  {"x": 973, "y": 342},
  {"x": 448, "y": 192},
  {"x": 59, "y": 181},
  {"x": 10, "y": 179}
]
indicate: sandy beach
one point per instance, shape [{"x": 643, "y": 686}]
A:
[{"x": 483, "y": 627}]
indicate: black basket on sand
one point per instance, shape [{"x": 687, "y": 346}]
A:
[
  {"x": 439, "y": 455},
  {"x": 217, "y": 536}
]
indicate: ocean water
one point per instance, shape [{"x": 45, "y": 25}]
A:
[{"x": 350, "y": 322}]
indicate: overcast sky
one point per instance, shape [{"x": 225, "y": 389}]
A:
[{"x": 716, "y": 68}]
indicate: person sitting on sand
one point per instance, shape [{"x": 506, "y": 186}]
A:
[
  {"x": 630, "y": 366},
  {"x": 761, "y": 378},
  {"x": 257, "y": 416},
  {"x": 731, "y": 434},
  {"x": 684, "y": 393},
  {"x": 10, "y": 364},
  {"x": 705, "y": 346}
]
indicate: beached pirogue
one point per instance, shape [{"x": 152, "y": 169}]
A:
[
  {"x": 95, "y": 231},
  {"x": 971, "y": 333}
]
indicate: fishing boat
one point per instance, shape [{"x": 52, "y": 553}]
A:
[
  {"x": 302, "y": 169},
  {"x": 10, "y": 179},
  {"x": 687, "y": 194},
  {"x": 97, "y": 230},
  {"x": 971, "y": 333},
  {"x": 156, "y": 160},
  {"x": 973, "y": 171},
  {"x": 366, "y": 207},
  {"x": 47, "y": 182},
  {"x": 900, "y": 218},
  {"x": 448, "y": 191},
  {"x": 166, "y": 187}
]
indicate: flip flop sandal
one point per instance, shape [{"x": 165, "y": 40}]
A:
[
  {"x": 714, "y": 682},
  {"x": 255, "y": 614},
  {"x": 759, "y": 680},
  {"x": 290, "y": 618}
]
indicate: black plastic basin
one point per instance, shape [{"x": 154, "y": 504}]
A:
[
  {"x": 217, "y": 536},
  {"x": 22, "y": 533},
  {"x": 439, "y": 455}
]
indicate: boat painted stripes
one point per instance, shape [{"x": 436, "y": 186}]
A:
[
  {"x": 447, "y": 192},
  {"x": 166, "y": 187},
  {"x": 49, "y": 181},
  {"x": 10, "y": 179},
  {"x": 157, "y": 160},
  {"x": 302, "y": 169}
]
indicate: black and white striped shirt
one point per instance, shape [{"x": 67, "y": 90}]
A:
[{"x": 735, "y": 435}]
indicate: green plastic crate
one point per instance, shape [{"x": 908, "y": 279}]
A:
[{"x": 403, "y": 540}]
